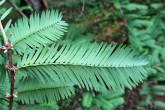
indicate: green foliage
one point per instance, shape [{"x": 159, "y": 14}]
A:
[
  {"x": 2, "y": 73},
  {"x": 106, "y": 100},
  {"x": 159, "y": 105},
  {"x": 146, "y": 31},
  {"x": 4, "y": 104},
  {"x": 6, "y": 13},
  {"x": 49, "y": 71},
  {"x": 78, "y": 60},
  {"x": 38, "y": 30},
  {"x": 4, "y": 91},
  {"x": 149, "y": 92},
  {"x": 31, "y": 91}
]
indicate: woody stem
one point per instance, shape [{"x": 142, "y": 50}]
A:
[{"x": 8, "y": 47}]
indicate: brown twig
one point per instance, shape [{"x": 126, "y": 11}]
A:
[
  {"x": 8, "y": 47},
  {"x": 12, "y": 73},
  {"x": 15, "y": 6},
  {"x": 44, "y": 3}
]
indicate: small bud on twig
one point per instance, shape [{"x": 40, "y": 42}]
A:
[
  {"x": 7, "y": 95},
  {"x": 15, "y": 94},
  {"x": 14, "y": 68}
]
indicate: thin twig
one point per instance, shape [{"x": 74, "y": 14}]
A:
[
  {"x": 82, "y": 10},
  {"x": 12, "y": 73},
  {"x": 15, "y": 6},
  {"x": 45, "y": 4},
  {"x": 158, "y": 64},
  {"x": 8, "y": 47}
]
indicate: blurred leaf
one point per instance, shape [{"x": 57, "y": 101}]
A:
[
  {"x": 117, "y": 4},
  {"x": 7, "y": 25},
  {"x": 6, "y": 13},
  {"x": 159, "y": 88},
  {"x": 160, "y": 105},
  {"x": 26, "y": 8},
  {"x": 17, "y": 2},
  {"x": 157, "y": 5},
  {"x": 87, "y": 99},
  {"x": 2, "y": 1},
  {"x": 134, "y": 6},
  {"x": 116, "y": 102}
]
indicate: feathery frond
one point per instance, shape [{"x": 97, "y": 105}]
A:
[
  {"x": 31, "y": 91},
  {"x": 4, "y": 89},
  {"x": 3, "y": 103},
  {"x": 38, "y": 30},
  {"x": 87, "y": 65}
]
